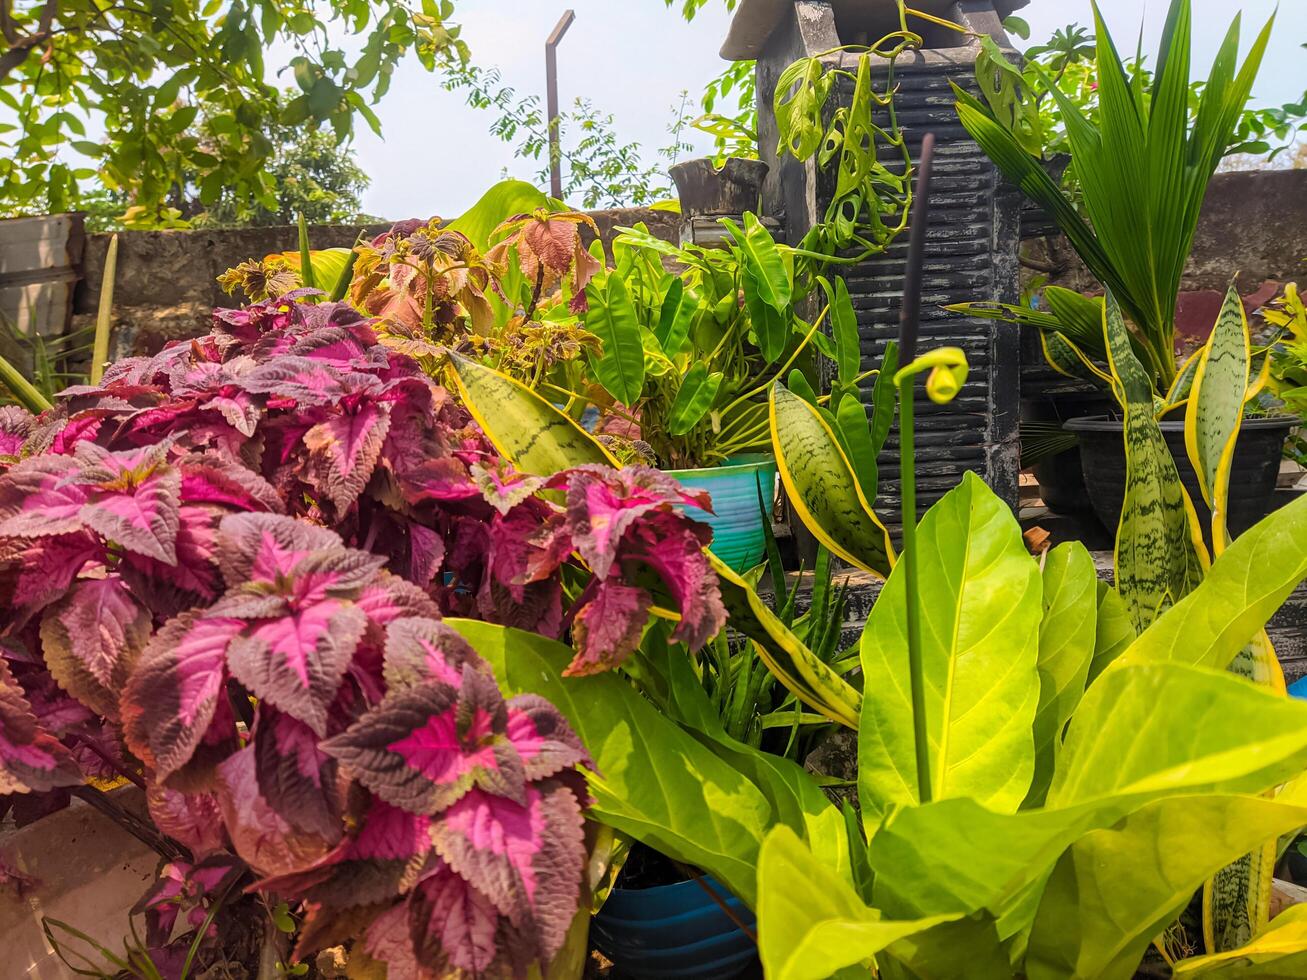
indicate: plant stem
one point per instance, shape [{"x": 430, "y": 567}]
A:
[
  {"x": 24, "y": 391},
  {"x": 907, "y": 438},
  {"x": 100, "y": 349}
]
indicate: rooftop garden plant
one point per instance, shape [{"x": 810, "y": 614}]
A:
[{"x": 229, "y": 568}]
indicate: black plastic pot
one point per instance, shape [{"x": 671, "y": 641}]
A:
[
  {"x": 1252, "y": 479},
  {"x": 1061, "y": 478}
]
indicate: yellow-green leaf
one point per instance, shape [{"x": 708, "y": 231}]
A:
[{"x": 1280, "y": 951}]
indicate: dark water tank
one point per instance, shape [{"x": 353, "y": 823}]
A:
[{"x": 974, "y": 233}]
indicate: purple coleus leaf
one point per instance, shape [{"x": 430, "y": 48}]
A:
[
  {"x": 261, "y": 836},
  {"x": 15, "y": 427},
  {"x": 424, "y": 747},
  {"x": 173, "y": 695},
  {"x": 39, "y": 497},
  {"x": 420, "y": 650},
  {"x": 31, "y": 760},
  {"x": 296, "y": 778},
  {"x": 195, "y": 579},
  {"x": 343, "y": 451},
  {"x": 212, "y": 478},
  {"x": 263, "y": 549},
  {"x": 672, "y": 545},
  {"x": 454, "y": 929},
  {"x": 34, "y": 574},
  {"x": 602, "y": 503},
  {"x": 132, "y": 499},
  {"x": 526, "y": 857},
  {"x": 91, "y": 639},
  {"x": 191, "y": 819},
  {"x": 382, "y": 860},
  {"x": 608, "y": 629}
]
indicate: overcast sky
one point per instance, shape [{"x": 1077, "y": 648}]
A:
[{"x": 632, "y": 58}]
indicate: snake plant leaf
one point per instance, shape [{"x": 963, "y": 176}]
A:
[
  {"x": 1157, "y": 561},
  {"x": 822, "y": 486},
  {"x": 1113, "y": 630},
  {"x": 655, "y": 781},
  {"x": 801, "y": 671},
  {"x": 695, "y": 397},
  {"x": 979, "y": 648},
  {"x": 811, "y": 923},
  {"x": 675, "y": 316},
  {"x": 1178, "y": 395},
  {"x": 1240, "y": 593},
  {"x": 1067, "y": 637},
  {"x": 1215, "y": 415},
  {"x": 855, "y": 436},
  {"x": 611, "y": 317},
  {"x": 1279, "y": 951},
  {"x": 532, "y": 434},
  {"x": 325, "y": 265},
  {"x": 1116, "y": 889}
]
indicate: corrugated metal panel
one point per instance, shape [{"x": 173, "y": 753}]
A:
[{"x": 40, "y": 265}]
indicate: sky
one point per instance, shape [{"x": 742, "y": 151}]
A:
[{"x": 632, "y": 58}]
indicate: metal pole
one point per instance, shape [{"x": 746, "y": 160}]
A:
[{"x": 551, "y": 101}]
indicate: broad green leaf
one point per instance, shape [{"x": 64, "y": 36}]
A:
[
  {"x": 822, "y": 487},
  {"x": 844, "y": 328},
  {"x": 526, "y": 430},
  {"x": 675, "y": 315},
  {"x": 811, "y": 923},
  {"x": 611, "y": 317},
  {"x": 1156, "y": 559},
  {"x": 980, "y": 598},
  {"x": 695, "y": 397},
  {"x": 804, "y": 674},
  {"x": 1116, "y": 889},
  {"x": 1141, "y": 734},
  {"x": 1067, "y": 635},
  {"x": 855, "y": 437},
  {"x": 763, "y": 259},
  {"x": 770, "y": 328},
  {"x": 884, "y": 398},
  {"x": 655, "y": 781},
  {"x": 1239, "y": 594},
  {"x": 1113, "y": 630},
  {"x": 1279, "y": 951},
  {"x": 1216, "y": 401},
  {"x": 503, "y": 201},
  {"x": 967, "y": 947},
  {"x": 327, "y": 264},
  {"x": 1157, "y": 728}
]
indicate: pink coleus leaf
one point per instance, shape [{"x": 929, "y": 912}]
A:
[
  {"x": 527, "y": 545},
  {"x": 672, "y": 546},
  {"x": 608, "y": 629},
  {"x": 15, "y": 427},
  {"x": 211, "y": 478},
  {"x": 263, "y": 839},
  {"x": 265, "y": 548},
  {"x": 34, "y": 574},
  {"x": 502, "y": 486},
  {"x": 383, "y": 859},
  {"x": 543, "y": 738},
  {"x": 603, "y": 503},
  {"x": 454, "y": 929},
  {"x": 421, "y": 650},
  {"x": 191, "y": 819},
  {"x": 389, "y": 597},
  {"x": 38, "y": 497},
  {"x": 132, "y": 499},
  {"x": 91, "y": 639},
  {"x": 389, "y": 940},
  {"x": 527, "y": 858},
  {"x": 296, "y": 661},
  {"x": 424, "y": 747},
  {"x": 173, "y": 694},
  {"x": 296, "y": 778},
  {"x": 343, "y": 451},
  {"x": 195, "y": 579},
  {"x": 31, "y": 760},
  {"x": 426, "y": 553}
]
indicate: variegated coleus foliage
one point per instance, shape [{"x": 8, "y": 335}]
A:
[{"x": 224, "y": 571}]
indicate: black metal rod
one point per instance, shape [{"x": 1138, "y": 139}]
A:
[
  {"x": 551, "y": 102},
  {"x": 910, "y": 313}
]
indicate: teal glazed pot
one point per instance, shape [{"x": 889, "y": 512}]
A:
[
  {"x": 739, "y": 539},
  {"x": 674, "y": 931}
]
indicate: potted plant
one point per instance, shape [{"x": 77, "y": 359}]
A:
[{"x": 1142, "y": 162}]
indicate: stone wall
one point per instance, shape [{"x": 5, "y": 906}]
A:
[
  {"x": 166, "y": 284},
  {"x": 1253, "y": 229}
]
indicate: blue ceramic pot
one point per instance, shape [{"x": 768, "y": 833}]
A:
[
  {"x": 674, "y": 931},
  {"x": 738, "y": 536}
]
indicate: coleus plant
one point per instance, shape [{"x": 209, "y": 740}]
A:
[{"x": 227, "y": 566}]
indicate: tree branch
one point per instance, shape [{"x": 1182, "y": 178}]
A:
[{"x": 21, "y": 47}]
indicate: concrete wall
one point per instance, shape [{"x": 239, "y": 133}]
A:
[
  {"x": 1253, "y": 229},
  {"x": 166, "y": 284}
]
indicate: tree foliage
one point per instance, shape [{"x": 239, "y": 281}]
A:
[{"x": 142, "y": 72}]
